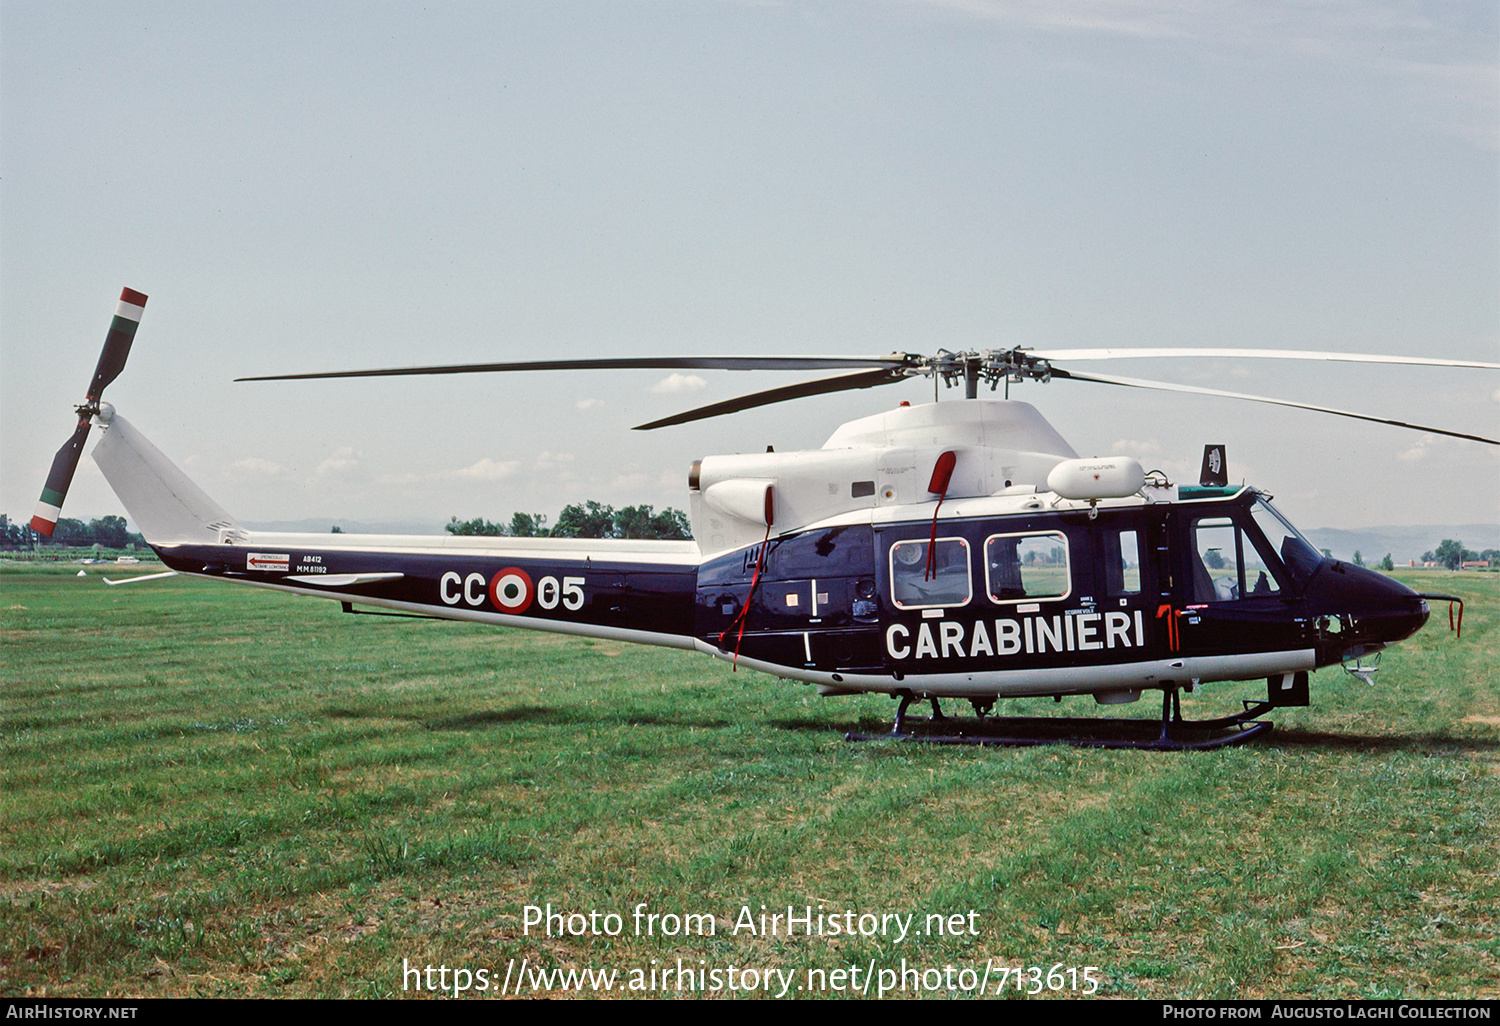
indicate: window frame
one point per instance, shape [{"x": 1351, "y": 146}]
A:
[
  {"x": 1108, "y": 552},
  {"x": 968, "y": 571},
  {"x": 1247, "y": 535},
  {"x": 989, "y": 590}
]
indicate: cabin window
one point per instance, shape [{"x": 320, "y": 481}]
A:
[
  {"x": 1021, "y": 567},
  {"x": 916, "y": 584},
  {"x": 1122, "y": 563},
  {"x": 1227, "y": 566}
]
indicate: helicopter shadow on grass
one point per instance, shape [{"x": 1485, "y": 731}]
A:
[
  {"x": 1427, "y": 743},
  {"x": 1281, "y": 737},
  {"x": 566, "y": 716},
  {"x": 1291, "y": 739},
  {"x": 865, "y": 724}
]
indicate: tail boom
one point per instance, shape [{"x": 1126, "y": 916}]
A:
[{"x": 641, "y": 592}]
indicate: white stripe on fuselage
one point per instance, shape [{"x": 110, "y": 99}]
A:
[{"x": 1045, "y": 680}]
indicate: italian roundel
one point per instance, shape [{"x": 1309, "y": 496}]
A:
[{"x": 511, "y": 590}]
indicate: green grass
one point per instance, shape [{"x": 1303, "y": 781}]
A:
[{"x": 217, "y": 791}]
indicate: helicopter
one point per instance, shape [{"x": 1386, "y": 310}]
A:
[{"x": 955, "y": 550}]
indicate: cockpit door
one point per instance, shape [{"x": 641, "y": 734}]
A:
[{"x": 1233, "y": 596}]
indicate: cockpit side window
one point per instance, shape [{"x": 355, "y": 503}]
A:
[
  {"x": 1228, "y": 565},
  {"x": 1216, "y": 564}
]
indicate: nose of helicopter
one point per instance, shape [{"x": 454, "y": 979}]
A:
[{"x": 1362, "y": 608}]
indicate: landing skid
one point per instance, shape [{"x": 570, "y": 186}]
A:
[{"x": 1169, "y": 734}]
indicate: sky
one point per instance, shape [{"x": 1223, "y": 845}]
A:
[{"x": 324, "y": 186}]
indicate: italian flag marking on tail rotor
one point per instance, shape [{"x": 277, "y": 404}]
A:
[
  {"x": 132, "y": 305},
  {"x": 44, "y": 520}
]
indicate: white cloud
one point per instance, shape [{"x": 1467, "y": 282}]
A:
[
  {"x": 256, "y": 465},
  {"x": 677, "y": 384},
  {"x": 628, "y": 482},
  {"x": 1135, "y": 447},
  {"x": 345, "y": 462},
  {"x": 1418, "y": 451},
  {"x": 488, "y": 470},
  {"x": 589, "y": 404}
]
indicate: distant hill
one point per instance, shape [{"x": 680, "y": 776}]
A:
[{"x": 1403, "y": 543}]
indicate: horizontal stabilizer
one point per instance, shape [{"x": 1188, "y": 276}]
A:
[
  {"x": 143, "y": 577},
  {"x": 341, "y": 580}
]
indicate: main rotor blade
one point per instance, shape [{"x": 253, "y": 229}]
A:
[
  {"x": 1163, "y": 386},
  {"x": 1252, "y": 354},
  {"x": 117, "y": 342},
  {"x": 49, "y": 508},
  {"x": 782, "y": 363},
  {"x": 821, "y": 386}
]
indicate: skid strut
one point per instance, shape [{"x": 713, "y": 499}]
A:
[{"x": 1170, "y": 733}]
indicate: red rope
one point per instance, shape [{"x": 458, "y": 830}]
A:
[
  {"x": 942, "y": 474},
  {"x": 1459, "y": 630},
  {"x": 931, "y": 571},
  {"x": 760, "y": 561}
]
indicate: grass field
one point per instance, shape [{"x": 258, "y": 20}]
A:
[{"x": 218, "y": 791}]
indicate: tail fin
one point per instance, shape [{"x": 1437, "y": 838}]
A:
[{"x": 168, "y": 508}]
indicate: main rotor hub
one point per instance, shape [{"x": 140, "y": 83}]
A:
[{"x": 988, "y": 365}]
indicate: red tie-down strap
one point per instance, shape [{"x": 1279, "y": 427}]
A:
[
  {"x": 760, "y": 561},
  {"x": 739, "y": 621},
  {"x": 942, "y": 476}
]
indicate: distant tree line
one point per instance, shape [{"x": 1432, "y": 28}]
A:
[
  {"x": 109, "y": 532},
  {"x": 584, "y": 520},
  {"x": 1452, "y": 554}
]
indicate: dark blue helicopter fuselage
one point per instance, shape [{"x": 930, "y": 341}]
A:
[{"x": 1043, "y": 602}]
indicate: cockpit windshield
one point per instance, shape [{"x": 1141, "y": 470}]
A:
[{"x": 1297, "y": 553}]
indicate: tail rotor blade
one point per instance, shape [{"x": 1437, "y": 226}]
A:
[
  {"x": 49, "y": 508},
  {"x": 111, "y": 362},
  {"x": 117, "y": 342}
]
